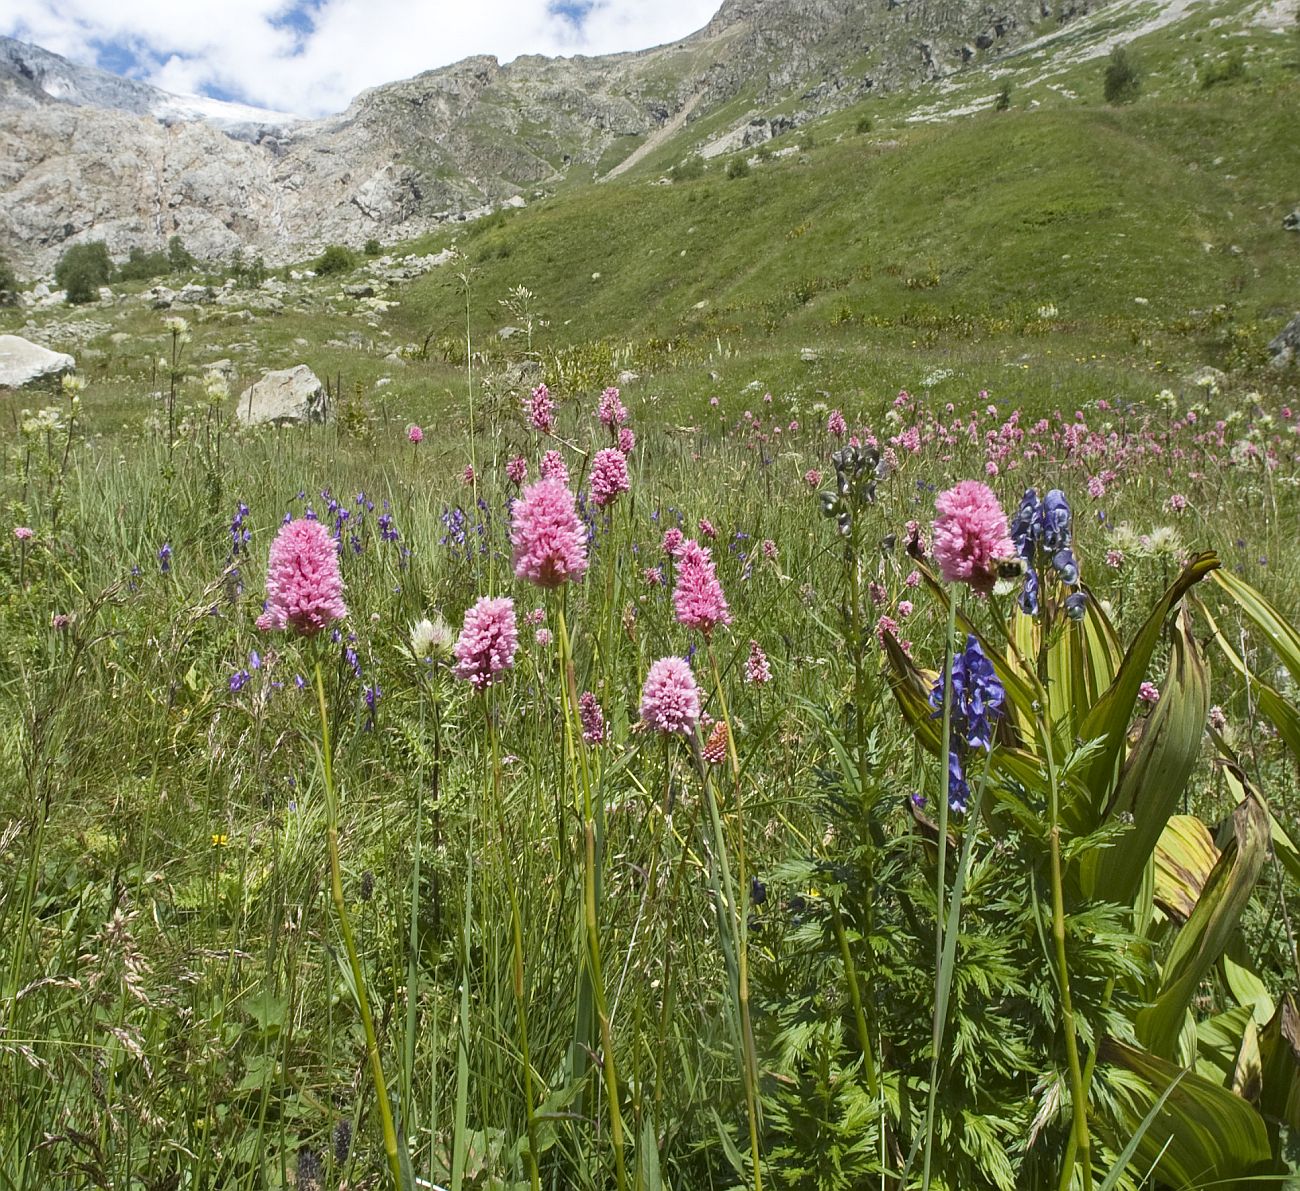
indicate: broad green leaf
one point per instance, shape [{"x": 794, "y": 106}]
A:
[
  {"x": 1185, "y": 854},
  {"x": 1202, "y": 1135},
  {"x": 1246, "y": 987},
  {"x": 1286, "y": 846},
  {"x": 1200, "y": 942},
  {"x": 1109, "y": 717},
  {"x": 1154, "y": 778},
  {"x": 1218, "y": 1042},
  {"x": 1279, "y": 1052},
  {"x": 1283, "y": 636},
  {"x": 1282, "y": 712}
]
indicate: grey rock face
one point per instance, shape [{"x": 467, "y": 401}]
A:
[
  {"x": 23, "y": 362},
  {"x": 1284, "y": 347},
  {"x": 287, "y": 397}
]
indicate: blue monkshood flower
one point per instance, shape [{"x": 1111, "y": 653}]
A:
[
  {"x": 977, "y": 697},
  {"x": 1023, "y": 525},
  {"x": 1029, "y": 593},
  {"x": 958, "y": 790},
  {"x": 1055, "y": 520},
  {"x": 1066, "y": 567},
  {"x": 1076, "y": 605},
  {"x": 165, "y": 558}
]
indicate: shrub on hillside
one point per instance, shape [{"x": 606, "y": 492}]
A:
[
  {"x": 863, "y": 125},
  {"x": 688, "y": 170},
  {"x": 1122, "y": 80},
  {"x": 335, "y": 259},
  {"x": 1229, "y": 69},
  {"x": 1003, "y": 101},
  {"x": 372, "y": 247},
  {"x": 738, "y": 167},
  {"x": 144, "y": 266},
  {"x": 83, "y": 269},
  {"x": 179, "y": 258}
]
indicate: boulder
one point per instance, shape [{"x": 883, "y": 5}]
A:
[
  {"x": 1292, "y": 222},
  {"x": 196, "y": 294},
  {"x": 22, "y": 362},
  {"x": 287, "y": 397},
  {"x": 361, "y": 290},
  {"x": 1284, "y": 347}
]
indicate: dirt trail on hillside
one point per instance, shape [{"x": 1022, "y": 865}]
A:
[{"x": 656, "y": 138}]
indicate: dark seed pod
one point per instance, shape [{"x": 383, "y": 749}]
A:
[
  {"x": 367, "y": 890},
  {"x": 342, "y": 1141}
]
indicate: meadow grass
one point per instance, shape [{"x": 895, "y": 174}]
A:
[{"x": 621, "y": 964}]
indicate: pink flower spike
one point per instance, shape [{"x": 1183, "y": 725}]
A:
[
  {"x": 24, "y": 533},
  {"x": 486, "y": 647},
  {"x": 611, "y": 410},
  {"x": 593, "y": 719},
  {"x": 757, "y": 670},
  {"x": 698, "y": 598},
  {"x": 670, "y": 700},
  {"x": 304, "y": 590},
  {"x": 553, "y": 467},
  {"x": 609, "y": 478},
  {"x": 540, "y": 409},
  {"x": 517, "y": 470},
  {"x": 415, "y": 434},
  {"x": 971, "y": 536},
  {"x": 1148, "y": 692},
  {"x": 626, "y": 439},
  {"x": 549, "y": 541}
]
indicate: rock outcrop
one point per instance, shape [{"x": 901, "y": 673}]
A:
[
  {"x": 23, "y": 362},
  {"x": 287, "y": 397}
]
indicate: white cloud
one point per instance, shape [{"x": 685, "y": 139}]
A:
[{"x": 246, "y": 48}]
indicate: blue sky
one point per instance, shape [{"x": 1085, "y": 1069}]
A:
[{"x": 311, "y": 57}]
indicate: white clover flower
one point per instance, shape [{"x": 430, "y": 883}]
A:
[
  {"x": 175, "y": 325},
  {"x": 432, "y": 638}
]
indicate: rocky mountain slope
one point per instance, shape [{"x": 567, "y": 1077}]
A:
[{"x": 85, "y": 155}]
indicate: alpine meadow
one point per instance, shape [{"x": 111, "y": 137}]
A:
[{"x": 718, "y": 618}]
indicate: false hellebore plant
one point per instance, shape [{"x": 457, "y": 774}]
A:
[{"x": 1045, "y": 735}]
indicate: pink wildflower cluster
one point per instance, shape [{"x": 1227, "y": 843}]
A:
[
  {"x": 24, "y": 533},
  {"x": 706, "y": 529},
  {"x": 757, "y": 670},
  {"x": 626, "y": 440},
  {"x": 593, "y": 719},
  {"x": 672, "y": 542},
  {"x": 836, "y": 425},
  {"x": 609, "y": 478},
  {"x": 670, "y": 700},
  {"x": 553, "y": 467},
  {"x": 550, "y": 544},
  {"x": 715, "y": 748},
  {"x": 698, "y": 598},
  {"x": 1148, "y": 693},
  {"x": 517, "y": 470},
  {"x": 540, "y": 409},
  {"x": 611, "y": 410},
  {"x": 486, "y": 647},
  {"x": 812, "y": 477},
  {"x": 971, "y": 535},
  {"x": 304, "y": 590},
  {"x": 415, "y": 434}
]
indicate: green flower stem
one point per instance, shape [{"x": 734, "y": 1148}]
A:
[
  {"x": 940, "y": 1002},
  {"x": 517, "y": 937},
  {"x": 1078, "y": 1092},
  {"x": 741, "y": 910},
  {"x": 345, "y": 926},
  {"x": 570, "y": 701}
]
